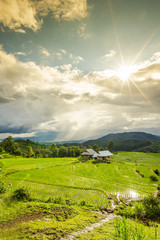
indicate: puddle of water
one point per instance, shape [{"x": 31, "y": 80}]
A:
[{"x": 130, "y": 193}]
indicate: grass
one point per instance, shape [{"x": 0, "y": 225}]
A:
[
  {"x": 43, "y": 220},
  {"x": 123, "y": 229},
  {"x": 132, "y": 230}
]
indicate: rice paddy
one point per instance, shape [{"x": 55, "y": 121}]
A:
[{"x": 69, "y": 183}]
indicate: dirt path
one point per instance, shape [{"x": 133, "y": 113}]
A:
[{"x": 90, "y": 228}]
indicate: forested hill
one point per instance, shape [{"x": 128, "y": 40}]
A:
[{"x": 127, "y": 141}]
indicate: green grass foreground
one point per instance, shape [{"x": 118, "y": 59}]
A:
[{"x": 64, "y": 192}]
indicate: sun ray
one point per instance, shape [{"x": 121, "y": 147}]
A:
[
  {"x": 145, "y": 97},
  {"x": 144, "y": 47},
  {"x": 129, "y": 87},
  {"x": 115, "y": 30},
  {"x": 125, "y": 71},
  {"x": 121, "y": 89}
]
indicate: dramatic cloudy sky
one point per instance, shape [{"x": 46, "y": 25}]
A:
[{"x": 79, "y": 69}]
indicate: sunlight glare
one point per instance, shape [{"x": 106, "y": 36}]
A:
[{"x": 125, "y": 72}]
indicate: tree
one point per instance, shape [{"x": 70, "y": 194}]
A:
[
  {"x": 54, "y": 149},
  {"x": 10, "y": 146},
  {"x": 2, "y": 187},
  {"x": 156, "y": 149},
  {"x": 1, "y": 149},
  {"x": 95, "y": 148},
  {"x": 28, "y": 142},
  {"x": 77, "y": 151},
  {"x": 101, "y": 149},
  {"x": 30, "y": 152},
  {"x": 1, "y": 169},
  {"x": 71, "y": 152},
  {"x": 110, "y": 145},
  {"x": 37, "y": 154},
  {"x": 63, "y": 151}
]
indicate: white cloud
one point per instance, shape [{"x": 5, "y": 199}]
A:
[
  {"x": 20, "y": 53},
  {"x": 111, "y": 53},
  {"x": 16, "y": 14},
  {"x": 63, "y": 53},
  {"x": 82, "y": 31},
  {"x": 67, "y": 10},
  {"x": 64, "y": 99},
  {"x": 44, "y": 51},
  {"x": 19, "y": 30},
  {"x": 76, "y": 59},
  {"x": 20, "y": 135}
]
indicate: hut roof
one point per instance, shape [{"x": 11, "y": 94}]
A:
[
  {"x": 105, "y": 153},
  {"x": 86, "y": 154},
  {"x": 91, "y": 151}
]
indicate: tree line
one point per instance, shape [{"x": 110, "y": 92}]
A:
[{"x": 27, "y": 148}]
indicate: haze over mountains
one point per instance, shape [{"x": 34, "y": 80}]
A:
[
  {"x": 126, "y": 141},
  {"x": 50, "y": 137}
]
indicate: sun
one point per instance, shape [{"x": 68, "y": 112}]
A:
[{"x": 125, "y": 72}]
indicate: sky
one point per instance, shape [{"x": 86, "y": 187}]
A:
[{"x": 79, "y": 69}]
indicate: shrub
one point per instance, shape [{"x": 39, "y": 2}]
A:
[
  {"x": 151, "y": 206},
  {"x": 156, "y": 171},
  {"x": 83, "y": 203},
  {"x": 126, "y": 211},
  {"x": 6, "y": 155},
  {"x": 158, "y": 194},
  {"x": 2, "y": 188},
  {"x": 138, "y": 209},
  {"x": 68, "y": 202},
  {"x": 153, "y": 178},
  {"x": 58, "y": 200},
  {"x": 21, "y": 194},
  {"x": 82, "y": 159},
  {"x": 158, "y": 188}
]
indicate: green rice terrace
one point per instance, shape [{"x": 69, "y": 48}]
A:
[{"x": 67, "y": 198}]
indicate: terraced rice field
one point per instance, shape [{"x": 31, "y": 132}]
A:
[{"x": 64, "y": 192}]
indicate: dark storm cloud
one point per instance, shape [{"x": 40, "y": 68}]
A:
[{"x": 14, "y": 130}]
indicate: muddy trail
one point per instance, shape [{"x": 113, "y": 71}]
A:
[
  {"x": 90, "y": 228},
  {"x": 107, "y": 212}
]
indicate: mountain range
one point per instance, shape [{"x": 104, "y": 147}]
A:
[{"x": 127, "y": 141}]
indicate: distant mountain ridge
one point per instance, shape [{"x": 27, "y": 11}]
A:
[
  {"x": 124, "y": 136},
  {"x": 126, "y": 141}
]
